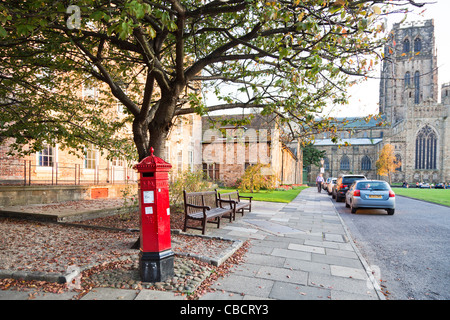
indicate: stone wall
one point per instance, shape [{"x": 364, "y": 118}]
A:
[{"x": 24, "y": 195}]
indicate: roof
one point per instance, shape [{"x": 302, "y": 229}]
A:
[
  {"x": 258, "y": 122},
  {"x": 351, "y": 141},
  {"x": 360, "y": 123}
]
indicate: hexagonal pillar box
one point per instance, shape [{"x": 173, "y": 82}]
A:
[{"x": 156, "y": 256}]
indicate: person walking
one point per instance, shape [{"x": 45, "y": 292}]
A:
[{"x": 319, "y": 181}]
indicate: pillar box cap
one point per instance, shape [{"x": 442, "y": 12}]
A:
[{"x": 152, "y": 164}]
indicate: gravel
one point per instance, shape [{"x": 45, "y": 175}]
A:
[{"x": 104, "y": 256}]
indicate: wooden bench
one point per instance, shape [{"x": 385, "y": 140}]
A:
[
  {"x": 206, "y": 206},
  {"x": 240, "y": 206}
]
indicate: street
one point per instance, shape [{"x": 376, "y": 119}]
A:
[{"x": 410, "y": 248}]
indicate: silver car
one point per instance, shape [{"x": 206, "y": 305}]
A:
[
  {"x": 373, "y": 194},
  {"x": 330, "y": 186}
]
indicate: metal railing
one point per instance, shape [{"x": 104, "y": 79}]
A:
[{"x": 27, "y": 172}]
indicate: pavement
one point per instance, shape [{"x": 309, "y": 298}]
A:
[{"x": 299, "y": 251}]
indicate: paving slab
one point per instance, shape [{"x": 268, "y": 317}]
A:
[{"x": 304, "y": 253}]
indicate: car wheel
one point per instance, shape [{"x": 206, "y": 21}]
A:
[
  {"x": 333, "y": 196},
  {"x": 338, "y": 199},
  {"x": 390, "y": 211},
  {"x": 352, "y": 209},
  {"x": 346, "y": 204}
]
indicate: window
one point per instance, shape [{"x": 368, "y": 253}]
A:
[
  {"x": 407, "y": 79},
  {"x": 90, "y": 158},
  {"x": 117, "y": 162},
  {"x": 180, "y": 161},
  {"x": 417, "y": 87},
  {"x": 398, "y": 159},
  {"x": 326, "y": 164},
  {"x": 211, "y": 171},
  {"x": 417, "y": 45},
  {"x": 345, "y": 163},
  {"x": 366, "y": 163},
  {"x": 406, "y": 48},
  {"x": 426, "y": 145},
  {"x": 46, "y": 157}
]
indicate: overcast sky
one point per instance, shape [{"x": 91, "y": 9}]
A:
[{"x": 364, "y": 99}]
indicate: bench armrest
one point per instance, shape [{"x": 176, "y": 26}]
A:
[
  {"x": 246, "y": 197},
  {"x": 231, "y": 202},
  {"x": 198, "y": 207}
]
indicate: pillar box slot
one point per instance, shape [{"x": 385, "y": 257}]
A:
[{"x": 156, "y": 256}]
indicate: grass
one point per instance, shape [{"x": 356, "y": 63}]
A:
[
  {"x": 441, "y": 196},
  {"x": 284, "y": 196}
]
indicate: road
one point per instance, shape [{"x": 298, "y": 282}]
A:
[{"x": 410, "y": 248}]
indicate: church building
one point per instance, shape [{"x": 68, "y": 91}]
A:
[{"x": 418, "y": 126}]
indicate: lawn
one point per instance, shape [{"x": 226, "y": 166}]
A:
[
  {"x": 441, "y": 196},
  {"x": 285, "y": 196}
]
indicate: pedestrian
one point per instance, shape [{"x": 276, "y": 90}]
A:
[{"x": 319, "y": 181}]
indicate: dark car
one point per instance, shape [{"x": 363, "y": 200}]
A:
[
  {"x": 342, "y": 185},
  {"x": 439, "y": 186}
]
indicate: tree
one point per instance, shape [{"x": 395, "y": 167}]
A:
[
  {"x": 311, "y": 155},
  {"x": 387, "y": 162},
  {"x": 289, "y": 58}
]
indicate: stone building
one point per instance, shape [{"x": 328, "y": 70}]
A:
[
  {"x": 229, "y": 150},
  {"x": 57, "y": 166},
  {"x": 418, "y": 126}
]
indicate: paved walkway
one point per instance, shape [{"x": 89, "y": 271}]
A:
[{"x": 299, "y": 250}]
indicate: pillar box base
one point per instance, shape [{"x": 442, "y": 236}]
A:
[{"x": 156, "y": 266}]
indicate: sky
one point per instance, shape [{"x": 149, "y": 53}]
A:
[{"x": 364, "y": 97}]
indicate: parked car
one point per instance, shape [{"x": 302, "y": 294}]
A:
[
  {"x": 424, "y": 186},
  {"x": 373, "y": 194},
  {"x": 439, "y": 186},
  {"x": 342, "y": 185},
  {"x": 325, "y": 183},
  {"x": 330, "y": 185}
]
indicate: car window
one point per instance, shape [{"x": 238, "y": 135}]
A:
[
  {"x": 373, "y": 185},
  {"x": 349, "y": 180}
]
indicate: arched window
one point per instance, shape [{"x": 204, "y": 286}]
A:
[
  {"x": 426, "y": 145},
  {"x": 326, "y": 164},
  {"x": 398, "y": 159},
  {"x": 407, "y": 79},
  {"x": 345, "y": 163},
  {"x": 417, "y": 87},
  {"x": 366, "y": 163},
  {"x": 417, "y": 45},
  {"x": 406, "y": 48}
]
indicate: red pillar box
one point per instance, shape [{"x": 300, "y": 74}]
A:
[{"x": 156, "y": 256}]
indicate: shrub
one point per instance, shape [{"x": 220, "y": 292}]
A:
[
  {"x": 189, "y": 181},
  {"x": 254, "y": 178}
]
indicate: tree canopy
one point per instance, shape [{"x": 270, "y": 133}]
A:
[{"x": 288, "y": 58}]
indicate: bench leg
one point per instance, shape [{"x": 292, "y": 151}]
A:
[
  {"x": 185, "y": 224},
  {"x": 203, "y": 226},
  {"x": 218, "y": 222}
]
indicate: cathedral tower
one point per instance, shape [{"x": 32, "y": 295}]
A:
[{"x": 409, "y": 70}]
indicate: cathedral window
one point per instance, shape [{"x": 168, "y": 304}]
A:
[
  {"x": 417, "y": 45},
  {"x": 366, "y": 164},
  {"x": 426, "y": 144},
  {"x": 417, "y": 87},
  {"x": 326, "y": 164},
  {"x": 407, "y": 79},
  {"x": 406, "y": 48},
  {"x": 398, "y": 159},
  {"x": 345, "y": 163}
]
